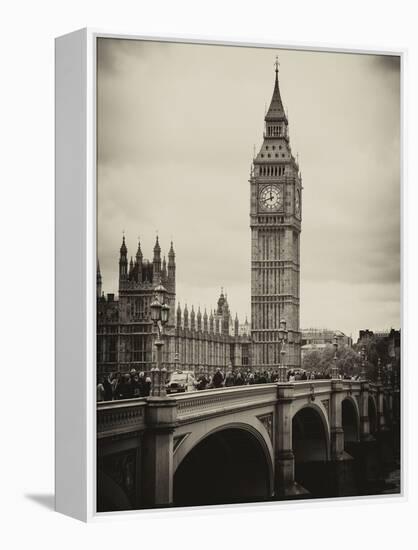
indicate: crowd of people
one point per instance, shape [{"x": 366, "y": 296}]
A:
[
  {"x": 137, "y": 384},
  {"x": 235, "y": 378},
  {"x": 242, "y": 378},
  {"x": 123, "y": 386}
]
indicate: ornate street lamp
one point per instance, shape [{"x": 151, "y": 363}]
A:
[
  {"x": 283, "y": 335},
  {"x": 176, "y": 361},
  {"x": 334, "y": 368},
  {"x": 159, "y": 314},
  {"x": 363, "y": 363}
]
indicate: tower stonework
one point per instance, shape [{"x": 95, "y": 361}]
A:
[{"x": 275, "y": 220}]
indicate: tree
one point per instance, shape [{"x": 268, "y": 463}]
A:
[
  {"x": 348, "y": 360},
  {"x": 311, "y": 360}
]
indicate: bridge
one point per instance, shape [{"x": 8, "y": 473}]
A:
[{"x": 247, "y": 443}]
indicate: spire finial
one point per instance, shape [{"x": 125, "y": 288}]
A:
[{"x": 276, "y": 65}]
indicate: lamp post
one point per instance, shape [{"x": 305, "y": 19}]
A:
[
  {"x": 334, "y": 368},
  {"x": 283, "y": 334},
  {"x": 363, "y": 363},
  {"x": 159, "y": 315},
  {"x": 176, "y": 361}
]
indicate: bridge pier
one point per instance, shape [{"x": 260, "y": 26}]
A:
[
  {"x": 161, "y": 417},
  {"x": 285, "y": 484},
  {"x": 365, "y": 434},
  {"x": 389, "y": 399},
  {"x": 342, "y": 482},
  {"x": 336, "y": 423},
  {"x": 381, "y": 421},
  {"x": 375, "y": 450}
]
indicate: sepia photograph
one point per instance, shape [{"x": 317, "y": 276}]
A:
[{"x": 248, "y": 274}]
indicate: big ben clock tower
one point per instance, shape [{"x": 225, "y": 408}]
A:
[{"x": 275, "y": 218}]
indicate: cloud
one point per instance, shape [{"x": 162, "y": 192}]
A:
[{"x": 177, "y": 124}]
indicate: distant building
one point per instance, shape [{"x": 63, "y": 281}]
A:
[
  {"x": 325, "y": 336},
  {"x": 244, "y": 329},
  {"x": 314, "y": 339}
]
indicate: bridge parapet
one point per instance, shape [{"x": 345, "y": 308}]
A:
[
  {"x": 309, "y": 387},
  {"x": 193, "y": 406},
  {"x": 118, "y": 417}
]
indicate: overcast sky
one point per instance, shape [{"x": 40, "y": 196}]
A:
[{"x": 177, "y": 125}]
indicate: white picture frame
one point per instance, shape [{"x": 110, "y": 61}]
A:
[{"x": 75, "y": 173}]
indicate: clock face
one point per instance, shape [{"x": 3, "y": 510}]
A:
[
  {"x": 297, "y": 203},
  {"x": 271, "y": 197}
]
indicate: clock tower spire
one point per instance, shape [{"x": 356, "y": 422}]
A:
[{"x": 275, "y": 219}]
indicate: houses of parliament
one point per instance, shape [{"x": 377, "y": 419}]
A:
[
  {"x": 192, "y": 339},
  {"x": 211, "y": 339}
]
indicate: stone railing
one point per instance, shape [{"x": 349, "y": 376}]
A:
[
  {"x": 118, "y": 417},
  {"x": 304, "y": 388},
  {"x": 352, "y": 385},
  {"x": 125, "y": 416},
  {"x": 196, "y": 405}
]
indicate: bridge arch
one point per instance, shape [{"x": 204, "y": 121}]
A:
[
  {"x": 311, "y": 447},
  {"x": 230, "y": 463},
  {"x": 350, "y": 421},
  {"x": 310, "y": 433}
]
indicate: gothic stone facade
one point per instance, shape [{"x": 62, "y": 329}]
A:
[
  {"x": 276, "y": 191},
  {"x": 193, "y": 341}
]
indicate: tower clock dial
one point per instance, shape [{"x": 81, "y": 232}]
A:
[{"x": 271, "y": 198}]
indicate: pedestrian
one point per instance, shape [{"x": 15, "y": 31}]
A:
[
  {"x": 142, "y": 384},
  {"x": 147, "y": 390},
  {"x": 262, "y": 379},
  {"x": 218, "y": 379},
  {"x": 100, "y": 392},
  {"x": 136, "y": 389},
  {"x": 202, "y": 381},
  {"x": 108, "y": 389},
  {"x": 239, "y": 380},
  {"x": 124, "y": 390},
  {"x": 229, "y": 379},
  {"x": 115, "y": 384}
]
